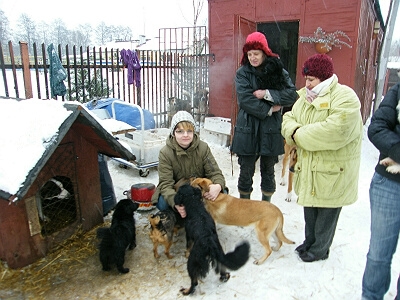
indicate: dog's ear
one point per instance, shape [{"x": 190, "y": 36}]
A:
[
  {"x": 195, "y": 182},
  {"x": 154, "y": 220},
  {"x": 202, "y": 183}
]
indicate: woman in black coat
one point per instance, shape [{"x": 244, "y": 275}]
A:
[{"x": 263, "y": 87}]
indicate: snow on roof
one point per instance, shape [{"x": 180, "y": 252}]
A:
[
  {"x": 27, "y": 128},
  {"x": 393, "y": 65}
]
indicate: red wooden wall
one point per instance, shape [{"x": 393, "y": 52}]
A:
[{"x": 355, "y": 67}]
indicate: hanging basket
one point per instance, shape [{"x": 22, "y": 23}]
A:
[{"x": 321, "y": 48}]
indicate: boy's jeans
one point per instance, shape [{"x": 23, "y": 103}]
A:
[{"x": 385, "y": 226}]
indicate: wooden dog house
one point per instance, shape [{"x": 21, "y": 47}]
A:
[
  {"x": 283, "y": 22},
  {"x": 29, "y": 231}
]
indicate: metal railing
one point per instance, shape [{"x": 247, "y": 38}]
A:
[{"x": 94, "y": 73}]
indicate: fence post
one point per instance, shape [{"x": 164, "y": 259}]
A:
[{"x": 25, "y": 69}]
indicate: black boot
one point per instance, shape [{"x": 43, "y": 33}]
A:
[
  {"x": 244, "y": 195},
  {"x": 266, "y": 196}
]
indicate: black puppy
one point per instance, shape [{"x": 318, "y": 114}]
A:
[
  {"x": 120, "y": 236},
  {"x": 203, "y": 243}
]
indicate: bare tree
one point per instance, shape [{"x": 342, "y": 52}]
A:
[
  {"x": 121, "y": 33},
  {"x": 4, "y": 28},
  {"x": 197, "y": 8},
  {"x": 103, "y": 33},
  {"x": 59, "y": 33},
  {"x": 198, "y": 44},
  {"x": 82, "y": 35},
  {"x": 27, "y": 30},
  {"x": 79, "y": 38},
  {"x": 43, "y": 33}
]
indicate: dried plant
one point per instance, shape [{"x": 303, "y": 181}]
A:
[{"x": 328, "y": 39}]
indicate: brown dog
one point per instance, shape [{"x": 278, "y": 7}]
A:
[
  {"x": 289, "y": 159},
  {"x": 200, "y": 105},
  {"x": 229, "y": 210},
  {"x": 175, "y": 104},
  {"x": 163, "y": 226}
]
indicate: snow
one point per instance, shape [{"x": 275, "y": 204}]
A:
[
  {"x": 27, "y": 128},
  {"x": 282, "y": 276},
  {"x": 393, "y": 65}
]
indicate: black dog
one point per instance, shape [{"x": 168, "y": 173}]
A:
[
  {"x": 203, "y": 243},
  {"x": 120, "y": 236}
]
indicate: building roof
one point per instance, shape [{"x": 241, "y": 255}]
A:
[{"x": 25, "y": 159}]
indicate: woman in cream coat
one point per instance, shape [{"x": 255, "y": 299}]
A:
[{"x": 326, "y": 126}]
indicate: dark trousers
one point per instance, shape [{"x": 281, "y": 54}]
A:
[
  {"x": 320, "y": 228},
  {"x": 247, "y": 165}
]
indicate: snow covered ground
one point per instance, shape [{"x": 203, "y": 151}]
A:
[{"x": 283, "y": 275}]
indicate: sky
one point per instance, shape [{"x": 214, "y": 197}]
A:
[
  {"x": 144, "y": 17},
  {"x": 283, "y": 276}
]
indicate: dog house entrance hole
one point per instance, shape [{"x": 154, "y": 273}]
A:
[{"x": 56, "y": 205}]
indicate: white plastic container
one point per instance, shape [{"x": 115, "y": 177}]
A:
[
  {"x": 146, "y": 144},
  {"x": 218, "y": 124},
  {"x": 210, "y": 136}
]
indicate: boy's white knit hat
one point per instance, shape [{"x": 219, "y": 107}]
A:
[{"x": 180, "y": 116}]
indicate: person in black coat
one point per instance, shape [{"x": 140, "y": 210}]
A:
[
  {"x": 384, "y": 195},
  {"x": 263, "y": 88}
]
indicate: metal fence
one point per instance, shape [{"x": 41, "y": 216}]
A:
[{"x": 95, "y": 73}]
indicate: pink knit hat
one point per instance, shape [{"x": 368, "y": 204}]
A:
[
  {"x": 256, "y": 41},
  {"x": 318, "y": 65}
]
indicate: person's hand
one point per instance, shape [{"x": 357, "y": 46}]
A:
[
  {"x": 213, "y": 193},
  {"x": 276, "y": 108},
  {"x": 259, "y": 94},
  {"x": 181, "y": 210}
]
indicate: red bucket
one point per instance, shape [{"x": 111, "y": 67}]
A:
[{"x": 142, "y": 192}]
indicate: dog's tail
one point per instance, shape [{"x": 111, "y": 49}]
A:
[
  {"x": 237, "y": 258},
  {"x": 279, "y": 233}
]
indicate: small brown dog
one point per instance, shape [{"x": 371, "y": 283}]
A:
[
  {"x": 229, "y": 210},
  {"x": 163, "y": 226},
  {"x": 391, "y": 166},
  {"x": 289, "y": 159}
]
